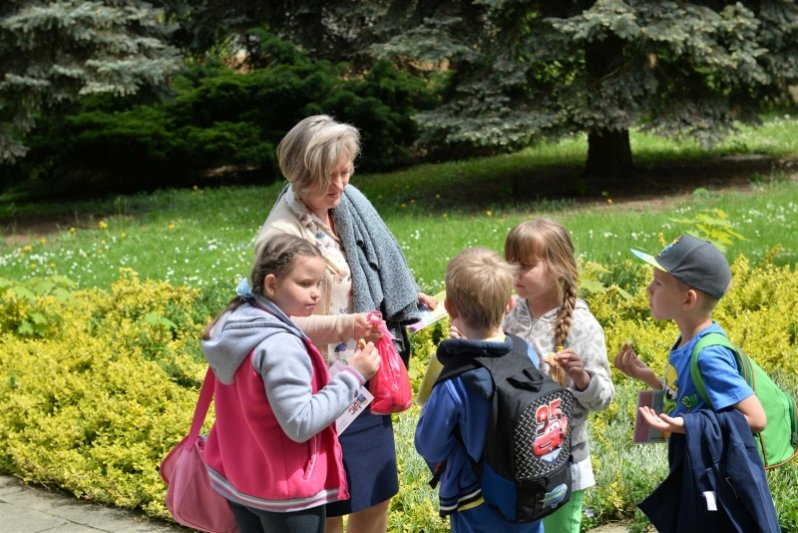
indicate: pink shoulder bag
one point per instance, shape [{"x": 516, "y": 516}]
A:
[{"x": 189, "y": 495}]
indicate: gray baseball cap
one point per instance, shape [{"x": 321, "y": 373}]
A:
[{"x": 693, "y": 261}]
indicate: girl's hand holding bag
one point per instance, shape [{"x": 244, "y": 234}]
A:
[
  {"x": 189, "y": 495},
  {"x": 390, "y": 386}
]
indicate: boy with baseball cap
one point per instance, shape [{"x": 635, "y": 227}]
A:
[{"x": 690, "y": 277}]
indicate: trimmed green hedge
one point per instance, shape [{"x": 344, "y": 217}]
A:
[{"x": 221, "y": 122}]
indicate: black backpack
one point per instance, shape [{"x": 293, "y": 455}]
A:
[{"x": 525, "y": 469}]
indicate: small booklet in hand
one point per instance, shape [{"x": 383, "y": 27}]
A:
[
  {"x": 429, "y": 316},
  {"x": 645, "y": 434},
  {"x": 362, "y": 401}
]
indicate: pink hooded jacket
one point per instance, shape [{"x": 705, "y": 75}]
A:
[{"x": 250, "y": 457}]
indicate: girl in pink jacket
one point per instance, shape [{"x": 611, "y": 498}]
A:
[{"x": 273, "y": 451}]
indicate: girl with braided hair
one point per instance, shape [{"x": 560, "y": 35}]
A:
[{"x": 549, "y": 315}]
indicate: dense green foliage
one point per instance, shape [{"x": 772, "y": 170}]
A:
[
  {"x": 520, "y": 69},
  {"x": 507, "y": 74},
  {"x": 228, "y": 122},
  {"x": 53, "y": 52}
]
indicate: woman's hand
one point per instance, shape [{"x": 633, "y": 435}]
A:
[
  {"x": 365, "y": 329},
  {"x": 366, "y": 360},
  {"x": 427, "y": 300}
]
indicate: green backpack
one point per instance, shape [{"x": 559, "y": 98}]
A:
[{"x": 778, "y": 442}]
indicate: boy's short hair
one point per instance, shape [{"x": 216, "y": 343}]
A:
[
  {"x": 695, "y": 262},
  {"x": 479, "y": 284}
]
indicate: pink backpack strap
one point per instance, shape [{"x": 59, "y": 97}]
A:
[{"x": 203, "y": 403}]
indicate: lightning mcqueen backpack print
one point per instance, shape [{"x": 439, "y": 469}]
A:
[{"x": 525, "y": 467}]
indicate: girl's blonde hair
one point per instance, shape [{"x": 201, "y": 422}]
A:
[
  {"x": 275, "y": 256},
  {"x": 309, "y": 152},
  {"x": 546, "y": 240}
]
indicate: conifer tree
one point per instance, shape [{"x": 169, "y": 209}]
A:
[
  {"x": 52, "y": 52},
  {"x": 524, "y": 69}
]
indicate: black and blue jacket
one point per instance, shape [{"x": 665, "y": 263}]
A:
[{"x": 714, "y": 465}]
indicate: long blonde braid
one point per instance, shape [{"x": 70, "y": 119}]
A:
[{"x": 565, "y": 315}]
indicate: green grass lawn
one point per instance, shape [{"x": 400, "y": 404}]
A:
[
  {"x": 204, "y": 236},
  {"x": 201, "y": 237}
]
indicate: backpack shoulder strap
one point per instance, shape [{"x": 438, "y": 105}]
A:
[
  {"x": 710, "y": 339},
  {"x": 512, "y": 363},
  {"x": 499, "y": 367},
  {"x": 455, "y": 367}
]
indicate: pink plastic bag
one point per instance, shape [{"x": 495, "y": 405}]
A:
[
  {"x": 189, "y": 496},
  {"x": 391, "y": 384}
]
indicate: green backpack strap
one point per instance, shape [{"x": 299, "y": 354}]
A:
[{"x": 710, "y": 339}]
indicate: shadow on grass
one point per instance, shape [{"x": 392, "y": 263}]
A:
[{"x": 512, "y": 186}]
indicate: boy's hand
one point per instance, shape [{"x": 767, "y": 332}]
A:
[
  {"x": 627, "y": 362},
  {"x": 572, "y": 363},
  {"x": 662, "y": 421},
  {"x": 366, "y": 359}
]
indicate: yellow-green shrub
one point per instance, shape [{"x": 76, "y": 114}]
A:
[
  {"x": 94, "y": 406},
  {"x": 97, "y": 393},
  {"x": 25, "y": 307}
]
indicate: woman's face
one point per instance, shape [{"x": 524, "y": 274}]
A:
[{"x": 319, "y": 200}]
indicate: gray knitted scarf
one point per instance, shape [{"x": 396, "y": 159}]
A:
[{"x": 381, "y": 278}]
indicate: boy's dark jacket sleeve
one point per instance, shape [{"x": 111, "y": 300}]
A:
[{"x": 716, "y": 453}]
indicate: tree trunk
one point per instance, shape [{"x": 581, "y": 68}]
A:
[{"x": 609, "y": 154}]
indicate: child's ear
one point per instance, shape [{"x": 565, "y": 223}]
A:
[
  {"x": 510, "y": 306},
  {"x": 269, "y": 285},
  {"x": 690, "y": 298},
  {"x": 450, "y": 308}
]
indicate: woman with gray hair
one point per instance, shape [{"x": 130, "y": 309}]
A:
[{"x": 366, "y": 271}]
